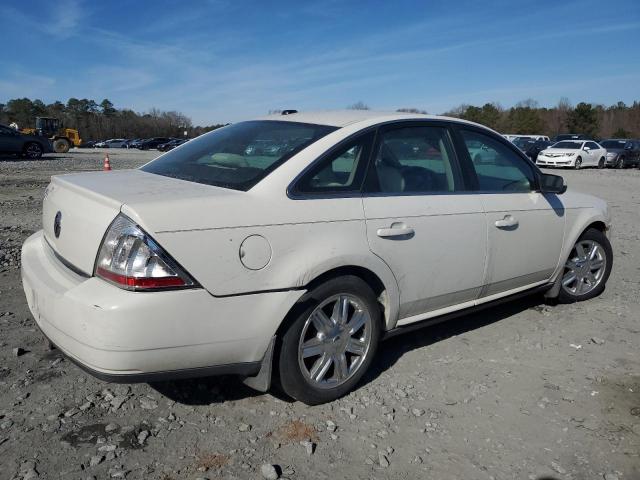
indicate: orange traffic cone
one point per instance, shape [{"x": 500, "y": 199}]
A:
[{"x": 107, "y": 164}]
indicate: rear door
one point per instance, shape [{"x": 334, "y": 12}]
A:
[
  {"x": 421, "y": 222},
  {"x": 525, "y": 228}
]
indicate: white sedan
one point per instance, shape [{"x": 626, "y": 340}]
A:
[
  {"x": 293, "y": 260},
  {"x": 573, "y": 153},
  {"x": 111, "y": 143}
]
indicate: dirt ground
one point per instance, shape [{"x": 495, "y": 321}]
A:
[{"x": 521, "y": 391}]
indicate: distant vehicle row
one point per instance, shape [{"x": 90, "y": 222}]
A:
[
  {"x": 577, "y": 153},
  {"x": 161, "y": 143}
]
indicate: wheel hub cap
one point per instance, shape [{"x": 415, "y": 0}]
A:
[
  {"x": 585, "y": 268},
  {"x": 335, "y": 341}
]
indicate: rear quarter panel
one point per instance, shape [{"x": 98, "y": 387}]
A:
[{"x": 310, "y": 238}]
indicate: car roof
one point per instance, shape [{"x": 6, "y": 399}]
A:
[{"x": 342, "y": 118}]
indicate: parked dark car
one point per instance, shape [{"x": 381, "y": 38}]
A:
[
  {"x": 570, "y": 136},
  {"x": 622, "y": 152},
  {"x": 150, "y": 143},
  {"x": 523, "y": 143},
  {"x": 87, "y": 144},
  {"x": 28, "y": 146},
  {"x": 171, "y": 144},
  {"x": 534, "y": 149}
]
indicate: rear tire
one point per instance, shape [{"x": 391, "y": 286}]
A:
[
  {"x": 587, "y": 269},
  {"x": 61, "y": 145},
  {"x": 578, "y": 163},
  {"x": 32, "y": 151},
  {"x": 601, "y": 163},
  {"x": 331, "y": 341}
]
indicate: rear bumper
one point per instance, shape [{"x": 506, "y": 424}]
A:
[{"x": 124, "y": 336}]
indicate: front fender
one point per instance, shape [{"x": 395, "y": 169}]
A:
[{"x": 578, "y": 220}]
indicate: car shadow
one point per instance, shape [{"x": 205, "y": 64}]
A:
[
  {"x": 212, "y": 390},
  {"x": 395, "y": 347},
  {"x": 44, "y": 158}
]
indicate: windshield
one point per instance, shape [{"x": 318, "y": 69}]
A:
[
  {"x": 237, "y": 156},
  {"x": 523, "y": 142},
  {"x": 614, "y": 143},
  {"x": 568, "y": 145}
]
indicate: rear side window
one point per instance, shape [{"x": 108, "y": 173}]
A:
[
  {"x": 497, "y": 167},
  {"x": 414, "y": 160},
  {"x": 342, "y": 171},
  {"x": 237, "y": 156}
]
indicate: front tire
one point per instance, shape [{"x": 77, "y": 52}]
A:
[
  {"x": 621, "y": 163},
  {"x": 330, "y": 343},
  {"x": 61, "y": 145},
  {"x": 578, "y": 163},
  {"x": 587, "y": 269}
]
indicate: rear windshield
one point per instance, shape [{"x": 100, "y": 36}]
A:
[
  {"x": 237, "y": 156},
  {"x": 568, "y": 145}
]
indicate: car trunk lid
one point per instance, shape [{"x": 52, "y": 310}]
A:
[{"x": 78, "y": 208}]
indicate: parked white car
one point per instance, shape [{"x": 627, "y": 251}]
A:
[
  {"x": 216, "y": 258},
  {"x": 573, "y": 153},
  {"x": 513, "y": 138},
  {"x": 111, "y": 143}
]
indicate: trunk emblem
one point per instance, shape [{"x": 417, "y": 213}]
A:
[{"x": 57, "y": 224}]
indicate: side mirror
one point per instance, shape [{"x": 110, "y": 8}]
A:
[
  {"x": 552, "y": 184},
  {"x": 586, "y": 149}
]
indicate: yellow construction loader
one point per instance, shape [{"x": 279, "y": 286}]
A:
[{"x": 52, "y": 128}]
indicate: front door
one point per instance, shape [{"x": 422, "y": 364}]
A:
[
  {"x": 525, "y": 227},
  {"x": 431, "y": 233},
  {"x": 10, "y": 140}
]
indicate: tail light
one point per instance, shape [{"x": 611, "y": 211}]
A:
[{"x": 130, "y": 259}]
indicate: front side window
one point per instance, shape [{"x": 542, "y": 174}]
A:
[
  {"x": 414, "y": 160},
  {"x": 237, "y": 156},
  {"x": 497, "y": 167},
  {"x": 593, "y": 145},
  {"x": 340, "y": 172}
]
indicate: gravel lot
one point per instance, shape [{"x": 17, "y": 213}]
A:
[{"x": 526, "y": 390}]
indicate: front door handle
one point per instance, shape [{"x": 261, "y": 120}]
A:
[
  {"x": 396, "y": 230},
  {"x": 509, "y": 221}
]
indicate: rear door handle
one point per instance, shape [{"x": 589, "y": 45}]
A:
[
  {"x": 509, "y": 221},
  {"x": 396, "y": 230}
]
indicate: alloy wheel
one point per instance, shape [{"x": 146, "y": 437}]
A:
[
  {"x": 33, "y": 150},
  {"x": 585, "y": 268},
  {"x": 335, "y": 340}
]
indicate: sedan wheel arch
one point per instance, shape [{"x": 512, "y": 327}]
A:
[{"x": 566, "y": 252}]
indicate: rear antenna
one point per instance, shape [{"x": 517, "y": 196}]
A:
[{"x": 289, "y": 112}]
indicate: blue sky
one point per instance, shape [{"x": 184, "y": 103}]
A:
[{"x": 224, "y": 60}]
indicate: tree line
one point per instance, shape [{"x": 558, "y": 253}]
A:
[
  {"x": 526, "y": 117},
  {"x": 99, "y": 121}
]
